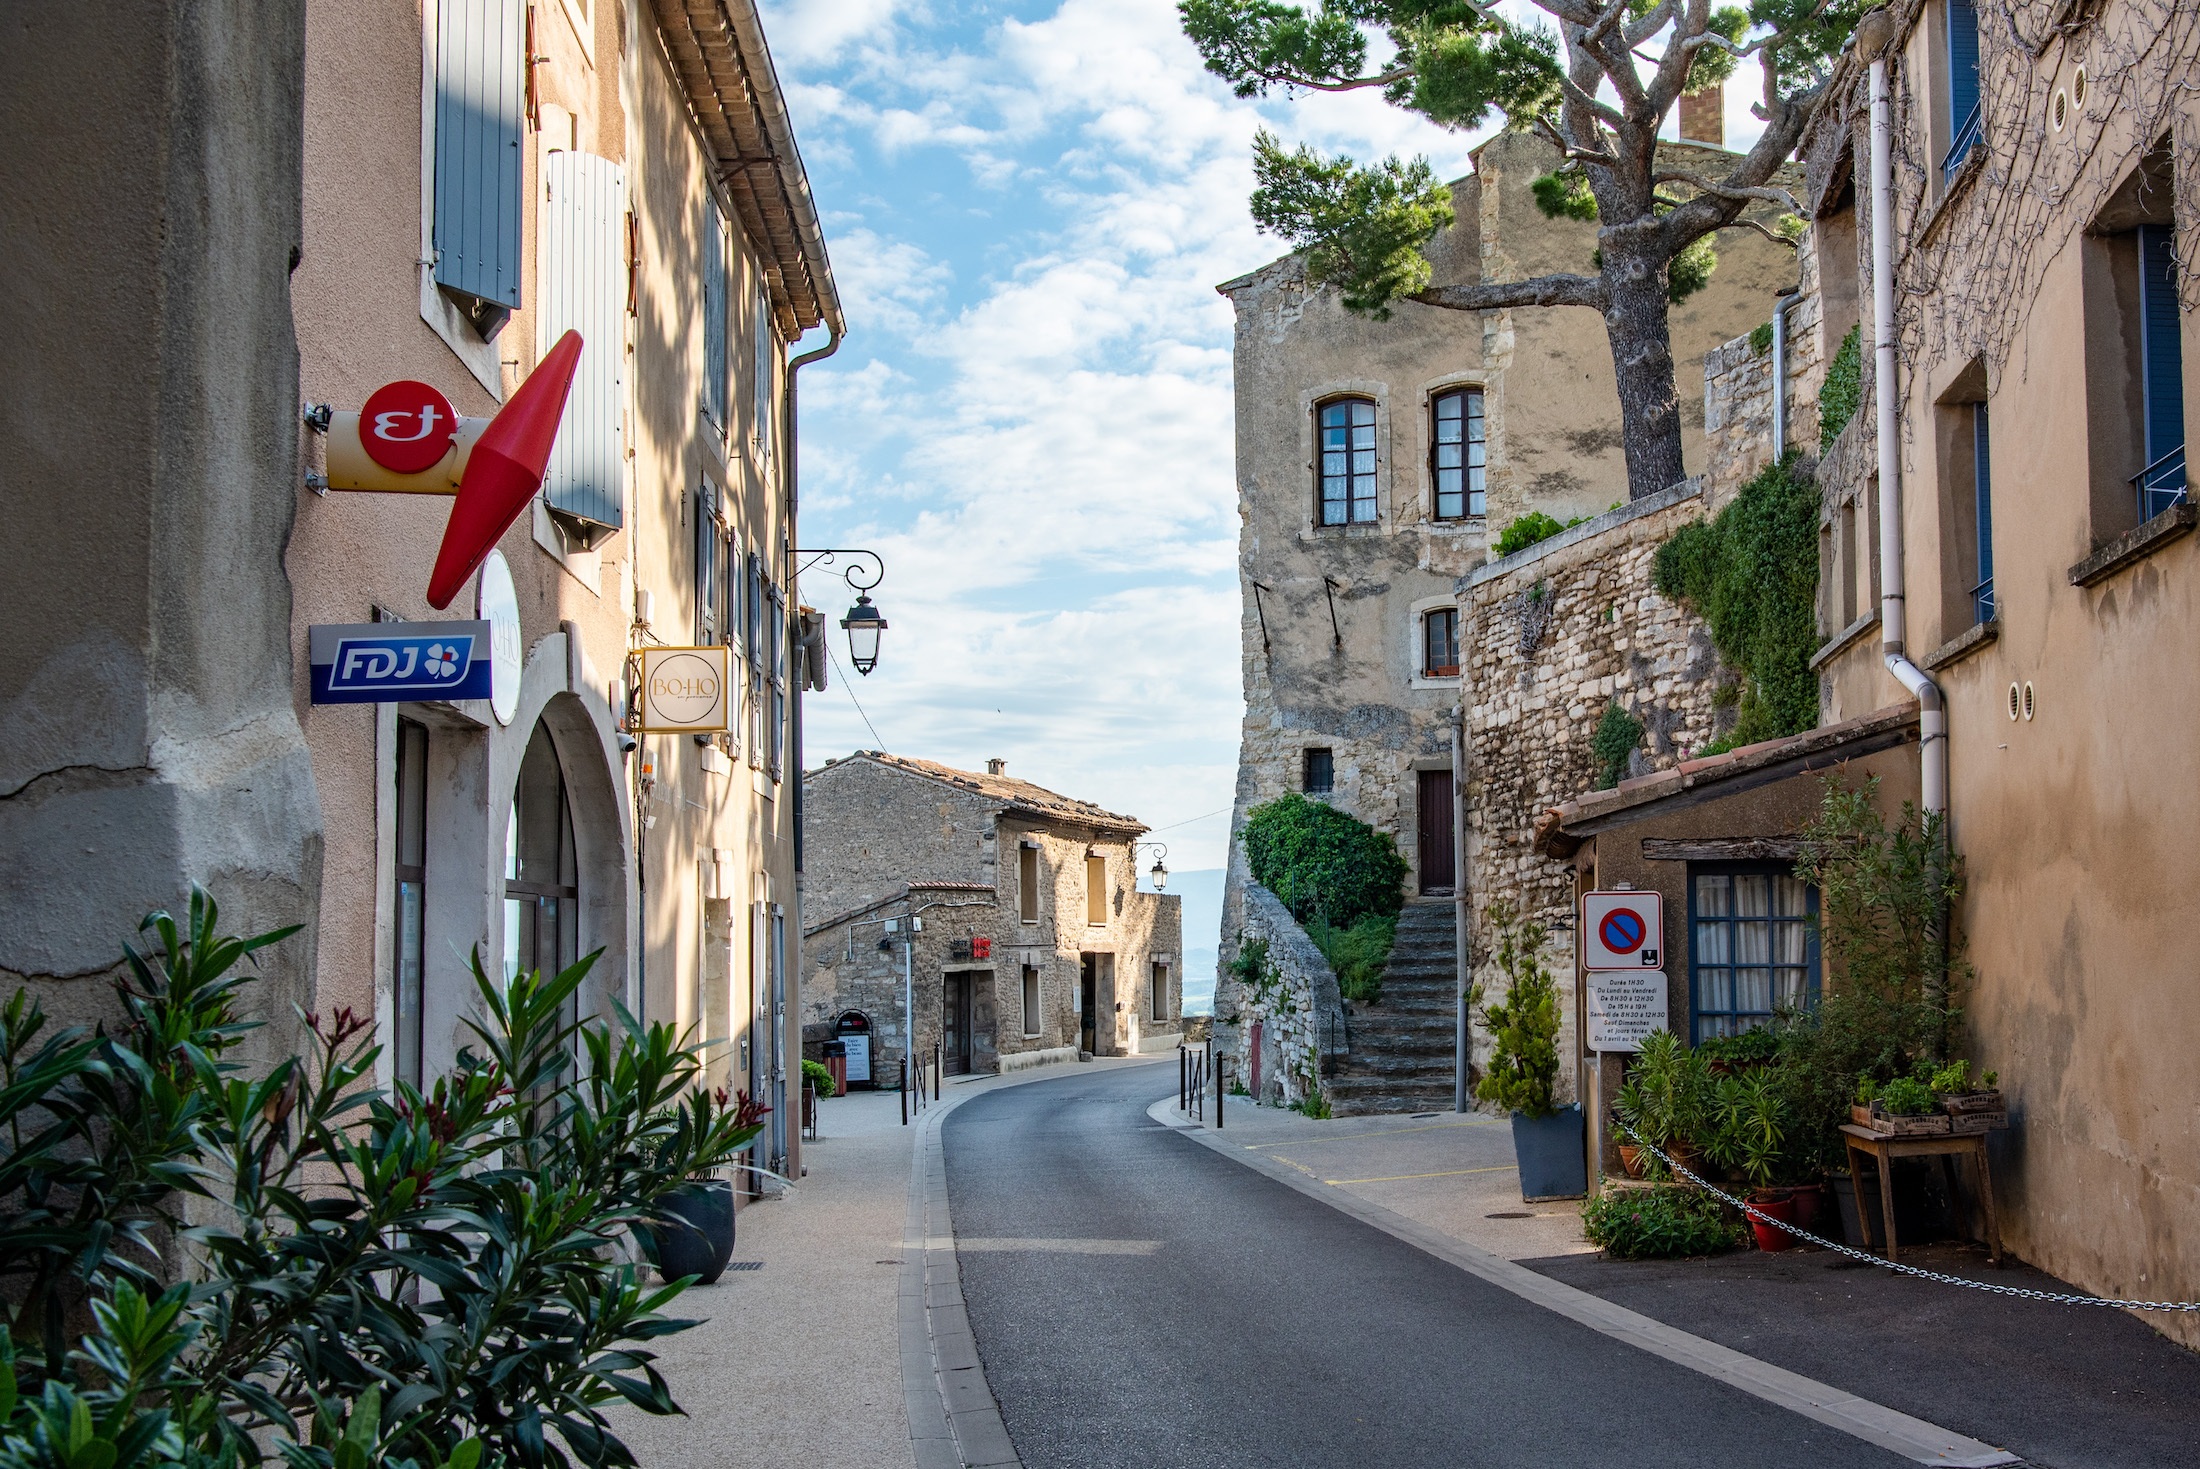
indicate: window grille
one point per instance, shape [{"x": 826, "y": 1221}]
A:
[{"x": 1752, "y": 945}]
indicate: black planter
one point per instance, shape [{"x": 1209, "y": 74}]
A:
[
  {"x": 1844, "y": 1194},
  {"x": 1550, "y": 1153},
  {"x": 696, "y": 1237}
]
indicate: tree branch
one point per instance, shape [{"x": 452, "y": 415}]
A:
[
  {"x": 1542, "y": 290},
  {"x": 1765, "y": 193},
  {"x": 1543, "y": 128},
  {"x": 1396, "y": 74},
  {"x": 1744, "y": 222}
]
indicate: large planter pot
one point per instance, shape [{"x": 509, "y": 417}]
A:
[
  {"x": 1811, "y": 1211},
  {"x": 1844, "y": 1196},
  {"x": 1780, "y": 1204},
  {"x": 1630, "y": 1158},
  {"x": 696, "y": 1237},
  {"x": 1550, "y": 1153}
]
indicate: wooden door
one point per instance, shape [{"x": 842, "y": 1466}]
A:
[
  {"x": 955, "y": 1018},
  {"x": 1088, "y": 1028},
  {"x": 1438, "y": 872}
]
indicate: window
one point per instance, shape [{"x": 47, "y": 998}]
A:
[
  {"x": 767, "y": 354},
  {"x": 1347, "y": 462},
  {"x": 412, "y": 891},
  {"x": 2161, "y": 483},
  {"x": 710, "y": 568},
  {"x": 714, "y": 317},
  {"x": 1751, "y": 946},
  {"x": 1031, "y": 999},
  {"x": 1096, "y": 889},
  {"x": 480, "y": 87},
  {"x": 1458, "y": 453},
  {"x": 541, "y": 872},
  {"x": 776, "y": 609},
  {"x": 1440, "y": 643},
  {"x": 1027, "y": 883},
  {"x": 1158, "y": 1008},
  {"x": 1963, "y": 91},
  {"x": 753, "y": 636},
  {"x": 1319, "y": 775},
  {"x": 1982, "y": 490}
]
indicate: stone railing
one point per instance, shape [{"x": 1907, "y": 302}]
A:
[{"x": 1297, "y": 1005}]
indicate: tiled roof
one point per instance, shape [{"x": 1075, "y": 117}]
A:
[{"x": 1010, "y": 793}]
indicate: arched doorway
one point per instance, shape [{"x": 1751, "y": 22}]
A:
[{"x": 542, "y": 882}]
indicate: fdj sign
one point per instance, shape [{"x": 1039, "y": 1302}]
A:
[{"x": 385, "y": 662}]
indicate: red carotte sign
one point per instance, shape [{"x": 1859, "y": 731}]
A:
[{"x": 406, "y": 426}]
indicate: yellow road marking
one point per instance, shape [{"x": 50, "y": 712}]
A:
[
  {"x": 1300, "y": 1142},
  {"x": 1447, "y": 1173}
]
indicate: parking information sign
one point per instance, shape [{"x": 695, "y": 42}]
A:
[
  {"x": 1622, "y": 930},
  {"x": 1624, "y": 1006},
  {"x": 388, "y": 662}
]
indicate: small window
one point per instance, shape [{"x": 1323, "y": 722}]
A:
[
  {"x": 1096, "y": 890},
  {"x": 1158, "y": 1008},
  {"x": 1319, "y": 775},
  {"x": 1963, "y": 88},
  {"x": 1347, "y": 462},
  {"x": 1458, "y": 453},
  {"x": 1982, "y": 490},
  {"x": 1027, "y": 884},
  {"x": 1440, "y": 643},
  {"x": 1752, "y": 951},
  {"x": 412, "y": 888},
  {"x": 2161, "y": 483},
  {"x": 1031, "y": 1000}
]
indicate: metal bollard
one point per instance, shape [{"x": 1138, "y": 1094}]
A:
[
  {"x": 1221, "y": 1065},
  {"x": 1180, "y": 1079},
  {"x": 905, "y": 1091},
  {"x": 939, "y": 1066}
]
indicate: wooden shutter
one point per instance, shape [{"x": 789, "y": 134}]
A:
[
  {"x": 1096, "y": 890},
  {"x": 714, "y": 317},
  {"x": 2163, "y": 352},
  {"x": 480, "y": 89},
  {"x": 584, "y": 290},
  {"x": 1962, "y": 71},
  {"x": 709, "y": 547}
]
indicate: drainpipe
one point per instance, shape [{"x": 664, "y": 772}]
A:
[
  {"x": 1780, "y": 307},
  {"x": 1932, "y": 712},
  {"x": 835, "y": 329},
  {"x": 1462, "y": 1051}
]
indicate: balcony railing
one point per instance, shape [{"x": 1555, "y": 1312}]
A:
[{"x": 2161, "y": 484}]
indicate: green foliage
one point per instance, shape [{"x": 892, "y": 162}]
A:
[
  {"x": 1667, "y": 1095},
  {"x": 1715, "y": 63},
  {"x": 1313, "y": 1101},
  {"x": 1661, "y": 1223},
  {"x": 1319, "y": 861},
  {"x": 1690, "y": 270},
  {"x": 1524, "y": 1063},
  {"x": 1618, "y": 735},
  {"x": 1840, "y": 395},
  {"x": 423, "y": 1280},
  {"x": 1953, "y": 1079},
  {"x": 1907, "y": 1098},
  {"x": 1264, "y": 986},
  {"x": 1358, "y": 954},
  {"x": 1565, "y": 195},
  {"x": 1250, "y": 44},
  {"x": 1363, "y": 229},
  {"x": 1750, "y": 1128},
  {"x": 1528, "y": 530},
  {"x": 817, "y": 1074},
  {"x": 1760, "y": 338},
  {"x": 1750, "y": 1048},
  {"x": 1751, "y": 572}
]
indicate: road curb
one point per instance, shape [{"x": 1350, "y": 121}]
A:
[{"x": 1898, "y": 1432}]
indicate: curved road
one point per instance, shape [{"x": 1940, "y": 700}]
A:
[{"x": 1139, "y": 1300}]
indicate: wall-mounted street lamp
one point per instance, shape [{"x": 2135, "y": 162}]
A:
[
  {"x": 1160, "y": 871},
  {"x": 864, "y": 622}
]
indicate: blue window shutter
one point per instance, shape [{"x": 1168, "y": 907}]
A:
[
  {"x": 1963, "y": 91},
  {"x": 1982, "y": 595},
  {"x": 2163, "y": 353},
  {"x": 480, "y": 91},
  {"x": 714, "y": 317},
  {"x": 584, "y": 290}
]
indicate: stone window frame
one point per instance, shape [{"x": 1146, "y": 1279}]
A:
[
  {"x": 1311, "y": 401},
  {"x": 1421, "y": 607},
  {"x": 1481, "y": 380}
]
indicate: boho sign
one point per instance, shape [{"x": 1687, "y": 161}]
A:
[{"x": 684, "y": 691}]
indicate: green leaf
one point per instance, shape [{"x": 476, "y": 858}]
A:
[{"x": 1364, "y": 230}]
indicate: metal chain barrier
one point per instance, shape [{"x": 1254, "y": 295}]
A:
[{"x": 1896, "y": 1265}]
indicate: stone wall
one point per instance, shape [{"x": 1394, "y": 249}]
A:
[
  {"x": 1555, "y": 635},
  {"x": 1297, "y": 1006}
]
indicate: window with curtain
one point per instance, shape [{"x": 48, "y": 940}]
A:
[
  {"x": 1752, "y": 951},
  {"x": 412, "y": 900},
  {"x": 1458, "y": 453},
  {"x": 1347, "y": 467},
  {"x": 1440, "y": 643}
]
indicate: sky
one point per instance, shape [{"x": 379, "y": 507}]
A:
[{"x": 1028, "y": 207}]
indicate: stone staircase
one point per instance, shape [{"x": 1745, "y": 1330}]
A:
[{"x": 1401, "y": 1058}]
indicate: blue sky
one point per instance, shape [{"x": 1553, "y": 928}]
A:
[{"x": 1028, "y": 207}]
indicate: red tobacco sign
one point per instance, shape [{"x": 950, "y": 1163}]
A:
[
  {"x": 505, "y": 470},
  {"x": 406, "y": 426}
]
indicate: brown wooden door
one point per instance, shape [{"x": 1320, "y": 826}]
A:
[
  {"x": 1438, "y": 873},
  {"x": 955, "y": 1018}
]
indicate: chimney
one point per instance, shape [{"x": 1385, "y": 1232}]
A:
[
  {"x": 996, "y": 767},
  {"x": 1703, "y": 116}
]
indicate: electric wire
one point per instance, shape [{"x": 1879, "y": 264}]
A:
[{"x": 849, "y": 687}]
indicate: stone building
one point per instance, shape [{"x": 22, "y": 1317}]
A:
[
  {"x": 1377, "y": 464},
  {"x": 1036, "y": 941}
]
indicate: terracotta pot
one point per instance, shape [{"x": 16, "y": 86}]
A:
[
  {"x": 1630, "y": 1158},
  {"x": 1779, "y": 1204},
  {"x": 1810, "y": 1207}
]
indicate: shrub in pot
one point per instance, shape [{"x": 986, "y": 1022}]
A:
[
  {"x": 1548, "y": 1140},
  {"x": 1664, "y": 1102},
  {"x": 1750, "y": 1127}
]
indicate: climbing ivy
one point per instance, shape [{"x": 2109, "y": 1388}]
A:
[
  {"x": 1751, "y": 572},
  {"x": 1618, "y": 734},
  {"x": 1842, "y": 391}
]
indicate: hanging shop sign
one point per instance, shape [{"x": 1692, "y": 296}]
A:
[
  {"x": 1625, "y": 1005},
  {"x": 684, "y": 690},
  {"x": 384, "y": 662},
  {"x": 496, "y": 602},
  {"x": 1622, "y": 930}
]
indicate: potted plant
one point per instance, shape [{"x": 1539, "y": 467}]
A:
[
  {"x": 1749, "y": 1134},
  {"x": 692, "y": 1233},
  {"x": 1903, "y": 1107},
  {"x": 1548, "y": 1140},
  {"x": 1664, "y": 1102},
  {"x": 1970, "y": 1108}
]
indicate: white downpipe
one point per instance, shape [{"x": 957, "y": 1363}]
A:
[{"x": 1932, "y": 711}]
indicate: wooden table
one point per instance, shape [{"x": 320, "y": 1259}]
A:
[{"x": 1883, "y": 1149}]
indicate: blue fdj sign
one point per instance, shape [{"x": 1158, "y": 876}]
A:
[{"x": 385, "y": 662}]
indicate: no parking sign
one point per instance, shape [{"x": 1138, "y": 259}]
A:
[{"x": 1622, "y": 930}]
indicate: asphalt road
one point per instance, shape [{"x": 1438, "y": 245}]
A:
[{"x": 1263, "y": 1328}]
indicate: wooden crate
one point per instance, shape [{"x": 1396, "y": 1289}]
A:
[{"x": 1935, "y": 1125}]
